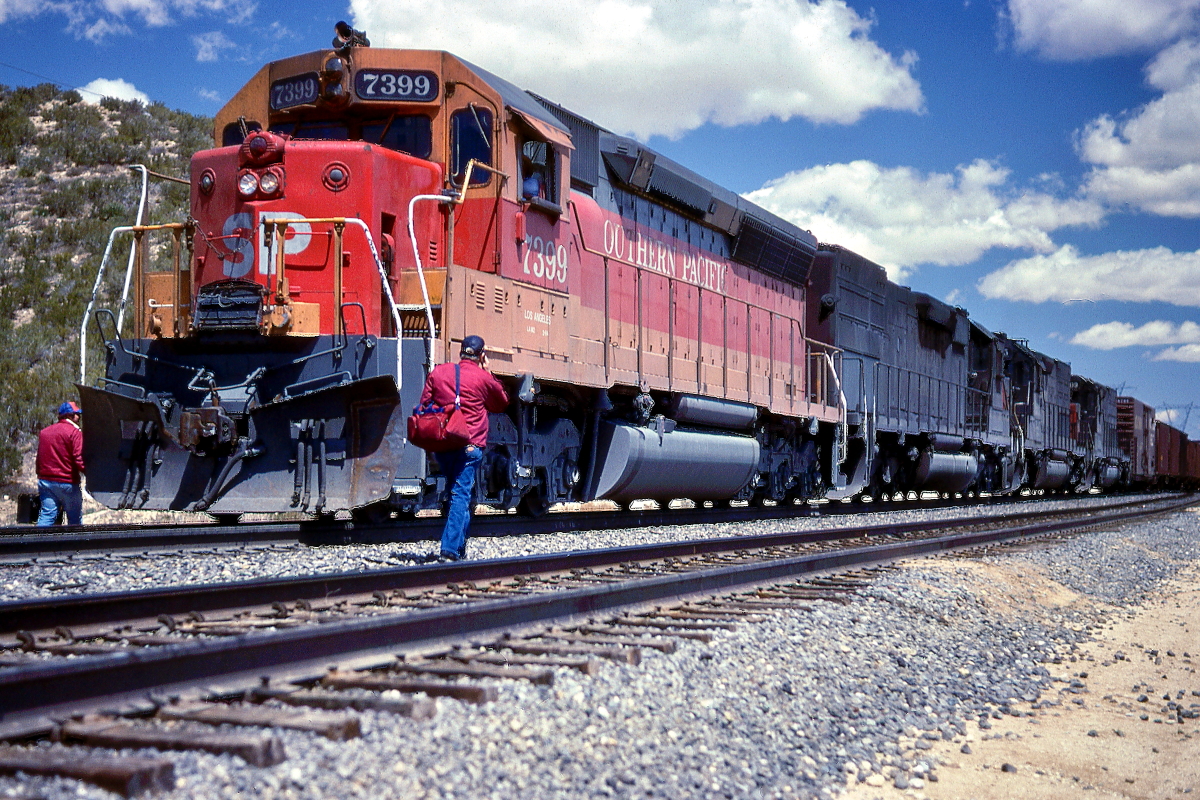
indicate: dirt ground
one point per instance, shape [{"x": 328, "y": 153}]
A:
[{"x": 1111, "y": 737}]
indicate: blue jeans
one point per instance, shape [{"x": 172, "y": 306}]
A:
[
  {"x": 54, "y": 496},
  {"x": 460, "y": 468}
]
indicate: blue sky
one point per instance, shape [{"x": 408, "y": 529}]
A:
[{"x": 1035, "y": 161}]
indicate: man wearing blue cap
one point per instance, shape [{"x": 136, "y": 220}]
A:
[
  {"x": 478, "y": 392},
  {"x": 60, "y": 467}
]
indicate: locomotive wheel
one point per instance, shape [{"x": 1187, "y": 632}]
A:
[
  {"x": 534, "y": 503},
  {"x": 374, "y": 514}
]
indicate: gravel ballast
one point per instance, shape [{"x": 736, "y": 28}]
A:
[
  {"x": 96, "y": 573},
  {"x": 800, "y": 705}
]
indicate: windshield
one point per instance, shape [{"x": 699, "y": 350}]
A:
[{"x": 405, "y": 133}]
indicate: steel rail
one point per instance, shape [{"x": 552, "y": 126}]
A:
[
  {"x": 72, "y": 611},
  {"x": 23, "y": 541},
  {"x": 32, "y": 696}
]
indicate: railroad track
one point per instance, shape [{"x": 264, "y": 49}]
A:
[
  {"x": 19, "y": 542},
  {"x": 305, "y": 653}
]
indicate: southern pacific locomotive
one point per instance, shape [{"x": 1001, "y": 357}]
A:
[{"x": 365, "y": 209}]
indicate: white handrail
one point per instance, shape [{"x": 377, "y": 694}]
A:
[
  {"x": 412, "y": 236},
  {"x": 387, "y": 288},
  {"x": 843, "y": 426},
  {"x": 133, "y": 247},
  {"x": 92, "y": 301}
]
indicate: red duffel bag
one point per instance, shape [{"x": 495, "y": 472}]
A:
[{"x": 439, "y": 428}]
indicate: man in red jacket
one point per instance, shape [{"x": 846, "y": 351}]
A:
[
  {"x": 479, "y": 393},
  {"x": 59, "y": 468}
]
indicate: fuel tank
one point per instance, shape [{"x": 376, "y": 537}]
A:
[
  {"x": 945, "y": 472},
  {"x": 1051, "y": 474},
  {"x": 637, "y": 463},
  {"x": 1107, "y": 475}
]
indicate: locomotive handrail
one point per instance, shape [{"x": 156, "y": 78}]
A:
[
  {"x": 412, "y": 237},
  {"x": 133, "y": 250},
  {"x": 954, "y": 422},
  {"x": 457, "y": 199},
  {"x": 285, "y": 222},
  {"x": 91, "y": 306},
  {"x": 843, "y": 426}
]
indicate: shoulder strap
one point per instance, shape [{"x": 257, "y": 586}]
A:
[{"x": 457, "y": 383}]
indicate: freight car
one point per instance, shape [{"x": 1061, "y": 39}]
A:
[
  {"x": 363, "y": 211},
  {"x": 1170, "y": 448},
  {"x": 1135, "y": 437}
]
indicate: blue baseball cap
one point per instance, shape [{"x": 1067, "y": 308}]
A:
[
  {"x": 68, "y": 408},
  {"x": 472, "y": 347}
]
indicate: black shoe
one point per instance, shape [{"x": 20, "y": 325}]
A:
[{"x": 444, "y": 557}]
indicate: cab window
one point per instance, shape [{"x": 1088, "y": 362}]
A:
[
  {"x": 539, "y": 180},
  {"x": 407, "y": 133},
  {"x": 471, "y": 138},
  {"x": 314, "y": 129}
]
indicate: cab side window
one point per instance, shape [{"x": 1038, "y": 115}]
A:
[
  {"x": 539, "y": 181},
  {"x": 470, "y": 138}
]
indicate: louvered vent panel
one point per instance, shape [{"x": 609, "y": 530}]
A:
[{"x": 770, "y": 250}]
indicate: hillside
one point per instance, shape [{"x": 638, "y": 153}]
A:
[{"x": 65, "y": 183}]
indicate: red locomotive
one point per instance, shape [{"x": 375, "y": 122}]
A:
[{"x": 364, "y": 210}]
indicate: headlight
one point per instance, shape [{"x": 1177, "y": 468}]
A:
[
  {"x": 335, "y": 68},
  {"x": 247, "y": 184},
  {"x": 269, "y": 183}
]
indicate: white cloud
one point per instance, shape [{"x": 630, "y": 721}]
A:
[
  {"x": 18, "y": 9},
  {"x": 157, "y": 13},
  {"x": 96, "y": 20},
  {"x": 1151, "y": 159},
  {"x": 659, "y": 67},
  {"x": 1153, "y": 275},
  {"x": 209, "y": 45},
  {"x": 902, "y": 218},
  {"x": 100, "y": 29},
  {"x": 1189, "y": 353},
  {"x": 1111, "y": 335},
  {"x": 106, "y": 87},
  {"x": 211, "y": 94},
  {"x": 1073, "y": 30}
]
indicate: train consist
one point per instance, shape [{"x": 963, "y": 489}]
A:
[{"x": 365, "y": 209}]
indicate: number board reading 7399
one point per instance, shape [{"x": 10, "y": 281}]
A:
[
  {"x": 396, "y": 84},
  {"x": 295, "y": 91}
]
